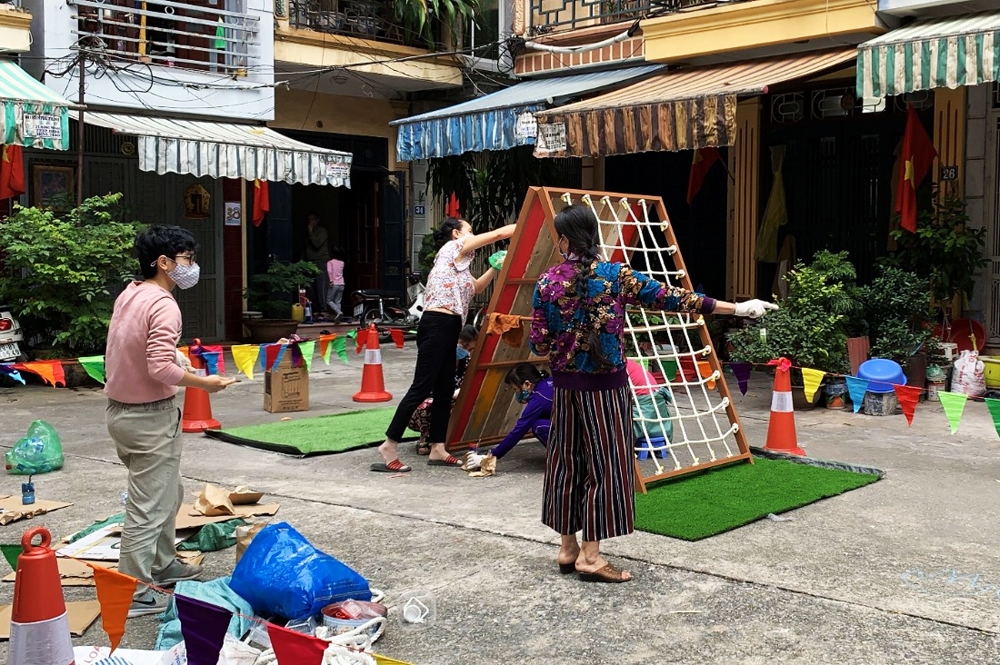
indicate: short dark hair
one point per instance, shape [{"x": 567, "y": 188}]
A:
[
  {"x": 522, "y": 372},
  {"x": 155, "y": 241},
  {"x": 468, "y": 334}
]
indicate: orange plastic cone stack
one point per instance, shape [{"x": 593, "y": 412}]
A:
[
  {"x": 372, "y": 382},
  {"x": 39, "y": 625},
  {"x": 781, "y": 427},
  {"x": 197, "y": 407}
]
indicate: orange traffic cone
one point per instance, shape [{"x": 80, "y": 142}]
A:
[
  {"x": 781, "y": 427},
  {"x": 39, "y": 625},
  {"x": 372, "y": 383},
  {"x": 197, "y": 406}
]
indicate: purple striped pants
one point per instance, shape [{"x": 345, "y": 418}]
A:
[{"x": 589, "y": 464}]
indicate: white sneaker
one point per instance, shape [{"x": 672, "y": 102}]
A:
[{"x": 147, "y": 603}]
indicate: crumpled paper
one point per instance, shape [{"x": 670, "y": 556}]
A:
[
  {"x": 214, "y": 502},
  {"x": 480, "y": 466}
]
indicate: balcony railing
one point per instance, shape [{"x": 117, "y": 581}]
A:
[
  {"x": 561, "y": 15},
  {"x": 365, "y": 19},
  {"x": 171, "y": 33}
]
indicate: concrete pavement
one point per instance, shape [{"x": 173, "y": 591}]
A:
[{"x": 905, "y": 570}]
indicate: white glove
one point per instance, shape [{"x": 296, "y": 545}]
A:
[
  {"x": 182, "y": 360},
  {"x": 754, "y": 309},
  {"x": 473, "y": 461}
]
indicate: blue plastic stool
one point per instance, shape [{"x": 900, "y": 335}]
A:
[{"x": 656, "y": 444}]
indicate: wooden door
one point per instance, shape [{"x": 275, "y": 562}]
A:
[{"x": 365, "y": 262}]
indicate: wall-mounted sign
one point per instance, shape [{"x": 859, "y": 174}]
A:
[
  {"x": 42, "y": 126},
  {"x": 551, "y": 139},
  {"x": 197, "y": 202},
  {"x": 419, "y": 211},
  {"x": 949, "y": 173},
  {"x": 234, "y": 213},
  {"x": 526, "y": 127},
  {"x": 338, "y": 169}
]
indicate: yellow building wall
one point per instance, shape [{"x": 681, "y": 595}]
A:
[
  {"x": 359, "y": 116},
  {"x": 15, "y": 29}
]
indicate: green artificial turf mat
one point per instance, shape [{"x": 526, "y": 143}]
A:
[
  {"x": 322, "y": 435},
  {"x": 728, "y": 497}
]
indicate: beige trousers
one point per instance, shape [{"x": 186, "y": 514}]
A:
[{"x": 148, "y": 442}]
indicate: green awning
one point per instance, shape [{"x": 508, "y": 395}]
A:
[
  {"x": 933, "y": 53},
  {"x": 32, "y": 115}
]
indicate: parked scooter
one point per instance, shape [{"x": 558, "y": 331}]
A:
[
  {"x": 382, "y": 307},
  {"x": 11, "y": 337}
]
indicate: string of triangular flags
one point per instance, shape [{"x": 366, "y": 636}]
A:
[
  {"x": 907, "y": 396},
  {"x": 203, "y": 625},
  {"x": 246, "y": 356}
]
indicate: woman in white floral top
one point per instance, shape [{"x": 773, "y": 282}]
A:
[{"x": 450, "y": 288}]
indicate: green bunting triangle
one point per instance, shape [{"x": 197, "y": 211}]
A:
[
  {"x": 94, "y": 366},
  {"x": 339, "y": 345},
  {"x": 994, "y": 406},
  {"x": 954, "y": 405},
  {"x": 307, "y": 349},
  {"x": 11, "y": 552}
]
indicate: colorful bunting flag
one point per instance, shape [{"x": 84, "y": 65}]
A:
[
  {"x": 296, "y": 354},
  {"x": 280, "y": 356},
  {"x": 51, "y": 371},
  {"x": 324, "y": 347},
  {"x": 340, "y": 346},
  {"x": 211, "y": 359},
  {"x": 857, "y": 388},
  {"x": 245, "y": 356},
  {"x": 742, "y": 373},
  {"x": 705, "y": 370},
  {"x": 114, "y": 593},
  {"x": 908, "y": 397},
  {"x": 11, "y": 552},
  {"x": 270, "y": 355},
  {"x": 204, "y": 628},
  {"x": 219, "y": 355},
  {"x": 308, "y": 349},
  {"x": 94, "y": 366},
  {"x": 8, "y": 369},
  {"x": 397, "y": 337},
  {"x": 994, "y": 408},
  {"x": 291, "y": 648},
  {"x": 811, "y": 380},
  {"x": 361, "y": 341},
  {"x": 954, "y": 405}
]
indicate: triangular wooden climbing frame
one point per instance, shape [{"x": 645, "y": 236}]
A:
[{"x": 705, "y": 423}]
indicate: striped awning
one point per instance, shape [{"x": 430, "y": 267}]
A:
[
  {"x": 225, "y": 150},
  {"x": 500, "y": 120},
  {"x": 684, "y": 109},
  {"x": 32, "y": 115},
  {"x": 934, "y": 53}
]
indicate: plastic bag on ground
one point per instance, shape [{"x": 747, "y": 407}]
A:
[
  {"x": 40, "y": 451},
  {"x": 970, "y": 375},
  {"x": 282, "y": 574}
]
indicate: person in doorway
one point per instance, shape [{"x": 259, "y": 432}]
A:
[
  {"x": 534, "y": 390},
  {"x": 421, "y": 420},
  {"x": 651, "y": 407},
  {"x": 450, "y": 288},
  {"x": 318, "y": 253},
  {"x": 143, "y": 376},
  {"x": 335, "y": 292},
  {"x": 578, "y": 317}
]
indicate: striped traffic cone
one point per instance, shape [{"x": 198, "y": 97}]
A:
[
  {"x": 39, "y": 625},
  {"x": 372, "y": 382},
  {"x": 781, "y": 426}
]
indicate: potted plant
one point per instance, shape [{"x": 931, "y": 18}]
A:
[
  {"x": 418, "y": 19},
  {"x": 810, "y": 328},
  {"x": 271, "y": 293},
  {"x": 61, "y": 271}
]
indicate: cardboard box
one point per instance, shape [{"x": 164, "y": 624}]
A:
[{"x": 286, "y": 388}]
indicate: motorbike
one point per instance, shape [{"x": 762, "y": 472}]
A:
[
  {"x": 11, "y": 337},
  {"x": 383, "y": 308}
]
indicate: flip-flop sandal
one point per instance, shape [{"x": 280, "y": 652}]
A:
[
  {"x": 448, "y": 461},
  {"x": 395, "y": 466},
  {"x": 567, "y": 568},
  {"x": 423, "y": 449},
  {"x": 608, "y": 574}
]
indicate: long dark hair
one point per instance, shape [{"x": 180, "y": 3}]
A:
[
  {"x": 442, "y": 234},
  {"x": 522, "y": 372},
  {"x": 579, "y": 225}
]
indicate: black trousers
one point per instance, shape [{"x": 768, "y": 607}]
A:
[{"x": 434, "y": 375}]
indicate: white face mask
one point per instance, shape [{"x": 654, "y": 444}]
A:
[{"x": 185, "y": 276}]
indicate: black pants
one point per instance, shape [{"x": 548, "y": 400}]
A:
[{"x": 434, "y": 375}]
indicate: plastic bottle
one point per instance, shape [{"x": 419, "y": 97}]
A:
[
  {"x": 309, "y": 312},
  {"x": 28, "y": 492},
  {"x": 125, "y": 498},
  {"x": 298, "y": 312}
]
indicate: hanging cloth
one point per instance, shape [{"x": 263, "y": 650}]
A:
[{"x": 775, "y": 213}]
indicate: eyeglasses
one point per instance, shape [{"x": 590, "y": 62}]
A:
[{"x": 190, "y": 258}]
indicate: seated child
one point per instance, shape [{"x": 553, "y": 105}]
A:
[
  {"x": 420, "y": 421},
  {"x": 649, "y": 399},
  {"x": 534, "y": 391}
]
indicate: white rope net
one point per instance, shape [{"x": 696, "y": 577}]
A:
[{"x": 669, "y": 346}]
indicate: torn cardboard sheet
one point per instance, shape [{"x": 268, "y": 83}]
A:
[
  {"x": 102, "y": 545},
  {"x": 189, "y": 518},
  {"x": 12, "y": 510},
  {"x": 82, "y": 614},
  {"x": 74, "y": 572},
  {"x": 243, "y": 496},
  {"x": 91, "y": 655}
]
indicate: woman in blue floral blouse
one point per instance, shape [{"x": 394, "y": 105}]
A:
[{"x": 578, "y": 322}]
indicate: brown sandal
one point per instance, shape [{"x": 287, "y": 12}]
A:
[{"x": 607, "y": 574}]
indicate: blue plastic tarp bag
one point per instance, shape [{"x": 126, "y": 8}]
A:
[{"x": 282, "y": 574}]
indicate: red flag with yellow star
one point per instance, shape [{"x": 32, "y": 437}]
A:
[
  {"x": 261, "y": 201},
  {"x": 11, "y": 171},
  {"x": 917, "y": 157}
]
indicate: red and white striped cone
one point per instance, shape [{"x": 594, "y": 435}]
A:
[
  {"x": 372, "y": 381},
  {"x": 781, "y": 426},
  {"x": 39, "y": 625}
]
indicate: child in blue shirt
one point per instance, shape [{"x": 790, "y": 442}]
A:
[{"x": 534, "y": 391}]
